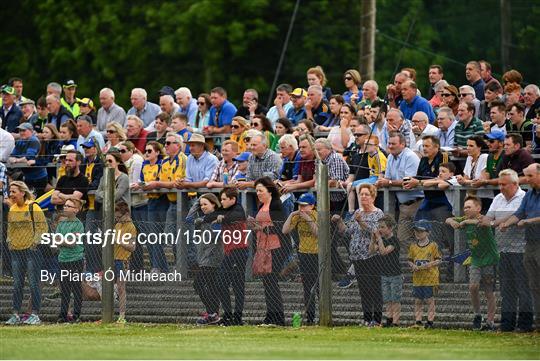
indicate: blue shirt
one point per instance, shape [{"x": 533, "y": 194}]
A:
[
  {"x": 348, "y": 94},
  {"x": 93, "y": 133},
  {"x": 29, "y": 149},
  {"x": 190, "y": 111},
  {"x": 447, "y": 138},
  {"x": 404, "y": 165},
  {"x": 148, "y": 114},
  {"x": 530, "y": 208},
  {"x": 181, "y": 133},
  {"x": 296, "y": 166},
  {"x": 479, "y": 88},
  {"x": 225, "y": 113},
  {"x": 418, "y": 104},
  {"x": 198, "y": 170},
  {"x": 295, "y": 116}
]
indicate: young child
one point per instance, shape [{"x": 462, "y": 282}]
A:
[
  {"x": 484, "y": 256},
  {"x": 122, "y": 253},
  {"x": 305, "y": 221},
  {"x": 241, "y": 172},
  {"x": 387, "y": 245},
  {"x": 424, "y": 258},
  {"x": 444, "y": 181},
  {"x": 235, "y": 245},
  {"x": 209, "y": 258},
  {"x": 70, "y": 258}
]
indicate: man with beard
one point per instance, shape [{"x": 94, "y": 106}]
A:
[{"x": 74, "y": 184}]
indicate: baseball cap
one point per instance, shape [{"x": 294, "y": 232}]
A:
[
  {"x": 88, "y": 144},
  {"x": 167, "y": 90},
  {"x": 86, "y": 101},
  {"x": 242, "y": 157},
  {"x": 69, "y": 83},
  {"x": 307, "y": 198},
  {"x": 8, "y": 89},
  {"x": 496, "y": 134},
  {"x": 27, "y": 101},
  {"x": 63, "y": 151},
  {"x": 25, "y": 126},
  {"x": 422, "y": 225},
  {"x": 299, "y": 92}
]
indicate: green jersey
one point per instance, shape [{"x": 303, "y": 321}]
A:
[
  {"x": 76, "y": 252},
  {"x": 482, "y": 244}
]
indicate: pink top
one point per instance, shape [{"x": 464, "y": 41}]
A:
[{"x": 266, "y": 241}]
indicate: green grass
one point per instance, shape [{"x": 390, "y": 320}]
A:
[{"x": 141, "y": 341}]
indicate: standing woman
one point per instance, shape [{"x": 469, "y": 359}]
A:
[
  {"x": 51, "y": 144},
  {"x": 352, "y": 81},
  {"x": 316, "y": 76},
  {"x": 335, "y": 103},
  {"x": 115, "y": 134},
  {"x": 366, "y": 265},
  {"x": 341, "y": 136},
  {"x": 267, "y": 224},
  {"x": 121, "y": 179},
  {"x": 26, "y": 224},
  {"x": 264, "y": 125},
  {"x": 239, "y": 128},
  {"x": 203, "y": 114},
  {"x": 68, "y": 133}
]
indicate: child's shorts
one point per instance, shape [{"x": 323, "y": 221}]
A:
[
  {"x": 484, "y": 276},
  {"x": 392, "y": 288},
  {"x": 120, "y": 265},
  {"x": 423, "y": 292}
]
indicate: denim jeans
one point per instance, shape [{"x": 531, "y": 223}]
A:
[
  {"x": 23, "y": 262},
  {"x": 157, "y": 212}
]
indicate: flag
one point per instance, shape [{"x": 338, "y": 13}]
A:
[
  {"x": 463, "y": 258},
  {"x": 44, "y": 201}
]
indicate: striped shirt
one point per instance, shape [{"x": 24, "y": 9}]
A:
[{"x": 463, "y": 133}]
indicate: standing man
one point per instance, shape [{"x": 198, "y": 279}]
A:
[
  {"x": 10, "y": 114},
  {"x": 528, "y": 217},
  {"x": 515, "y": 292},
  {"x": 69, "y": 101},
  {"x": 221, "y": 112},
  {"x": 109, "y": 111},
  {"x": 485, "y": 72},
  {"x": 472, "y": 73},
  {"x": 402, "y": 163},
  {"x": 142, "y": 108},
  {"x": 282, "y": 103},
  {"x": 435, "y": 74}
]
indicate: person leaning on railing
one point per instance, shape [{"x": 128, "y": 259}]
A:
[{"x": 26, "y": 224}]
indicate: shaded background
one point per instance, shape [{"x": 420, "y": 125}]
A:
[{"x": 236, "y": 44}]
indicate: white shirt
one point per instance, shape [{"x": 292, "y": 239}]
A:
[
  {"x": 428, "y": 130},
  {"x": 335, "y": 138},
  {"x": 273, "y": 113},
  {"x": 93, "y": 133},
  {"x": 513, "y": 239},
  {"x": 476, "y": 173},
  {"x": 7, "y": 144}
]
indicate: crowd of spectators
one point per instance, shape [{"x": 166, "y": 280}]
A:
[{"x": 370, "y": 137}]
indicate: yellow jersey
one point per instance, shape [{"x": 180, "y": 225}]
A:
[
  {"x": 149, "y": 173},
  {"x": 21, "y": 234},
  {"x": 420, "y": 255},
  {"x": 120, "y": 253},
  {"x": 308, "y": 240},
  {"x": 171, "y": 170},
  {"x": 88, "y": 174},
  {"x": 377, "y": 163}
]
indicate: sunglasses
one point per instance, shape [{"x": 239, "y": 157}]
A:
[
  {"x": 347, "y": 78},
  {"x": 123, "y": 151},
  {"x": 359, "y": 134},
  {"x": 148, "y": 151},
  {"x": 201, "y": 103},
  {"x": 247, "y": 139},
  {"x": 255, "y": 124},
  {"x": 169, "y": 143},
  {"x": 464, "y": 95},
  {"x": 235, "y": 126},
  {"x": 446, "y": 95},
  {"x": 110, "y": 131},
  {"x": 110, "y": 161}
]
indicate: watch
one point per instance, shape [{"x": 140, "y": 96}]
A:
[
  {"x": 492, "y": 223},
  {"x": 390, "y": 182}
]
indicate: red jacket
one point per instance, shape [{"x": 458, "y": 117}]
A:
[
  {"x": 140, "y": 140},
  {"x": 233, "y": 229}
]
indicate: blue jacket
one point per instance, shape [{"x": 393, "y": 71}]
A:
[
  {"x": 29, "y": 149},
  {"x": 11, "y": 120},
  {"x": 418, "y": 104}
]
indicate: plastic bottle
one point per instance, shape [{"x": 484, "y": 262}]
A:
[
  {"x": 225, "y": 178},
  {"x": 296, "y": 320}
]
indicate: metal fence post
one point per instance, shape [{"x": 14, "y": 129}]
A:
[
  {"x": 325, "y": 260},
  {"x": 182, "y": 209},
  {"x": 459, "y": 242},
  {"x": 107, "y": 298}
]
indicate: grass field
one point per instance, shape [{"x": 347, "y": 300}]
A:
[{"x": 138, "y": 341}]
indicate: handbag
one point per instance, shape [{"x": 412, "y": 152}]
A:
[{"x": 262, "y": 262}]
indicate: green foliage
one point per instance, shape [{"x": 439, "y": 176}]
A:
[{"x": 237, "y": 43}]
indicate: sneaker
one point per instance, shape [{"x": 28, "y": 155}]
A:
[
  {"x": 32, "y": 320},
  {"x": 121, "y": 320},
  {"x": 488, "y": 326},
  {"x": 346, "y": 282},
  {"x": 53, "y": 296},
  {"x": 477, "y": 323},
  {"x": 418, "y": 324},
  {"x": 388, "y": 323},
  {"x": 210, "y": 319},
  {"x": 429, "y": 324},
  {"x": 25, "y": 316},
  {"x": 61, "y": 320},
  {"x": 13, "y": 320},
  {"x": 374, "y": 324}
]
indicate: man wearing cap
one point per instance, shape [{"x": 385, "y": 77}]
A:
[
  {"x": 28, "y": 108},
  {"x": 317, "y": 109},
  {"x": 10, "y": 113},
  {"x": 142, "y": 108},
  {"x": 188, "y": 105},
  {"x": 263, "y": 162},
  {"x": 227, "y": 165},
  {"x": 109, "y": 111},
  {"x": 69, "y": 101},
  {"x": 298, "y": 111},
  {"x": 282, "y": 103},
  {"x": 7, "y": 143},
  {"x": 87, "y": 132},
  {"x": 73, "y": 185},
  {"x": 221, "y": 112},
  {"x": 26, "y": 151},
  {"x": 199, "y": 166},
  {"x": 58, "y": 114},
  {"x": 496, "y": 151}
]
